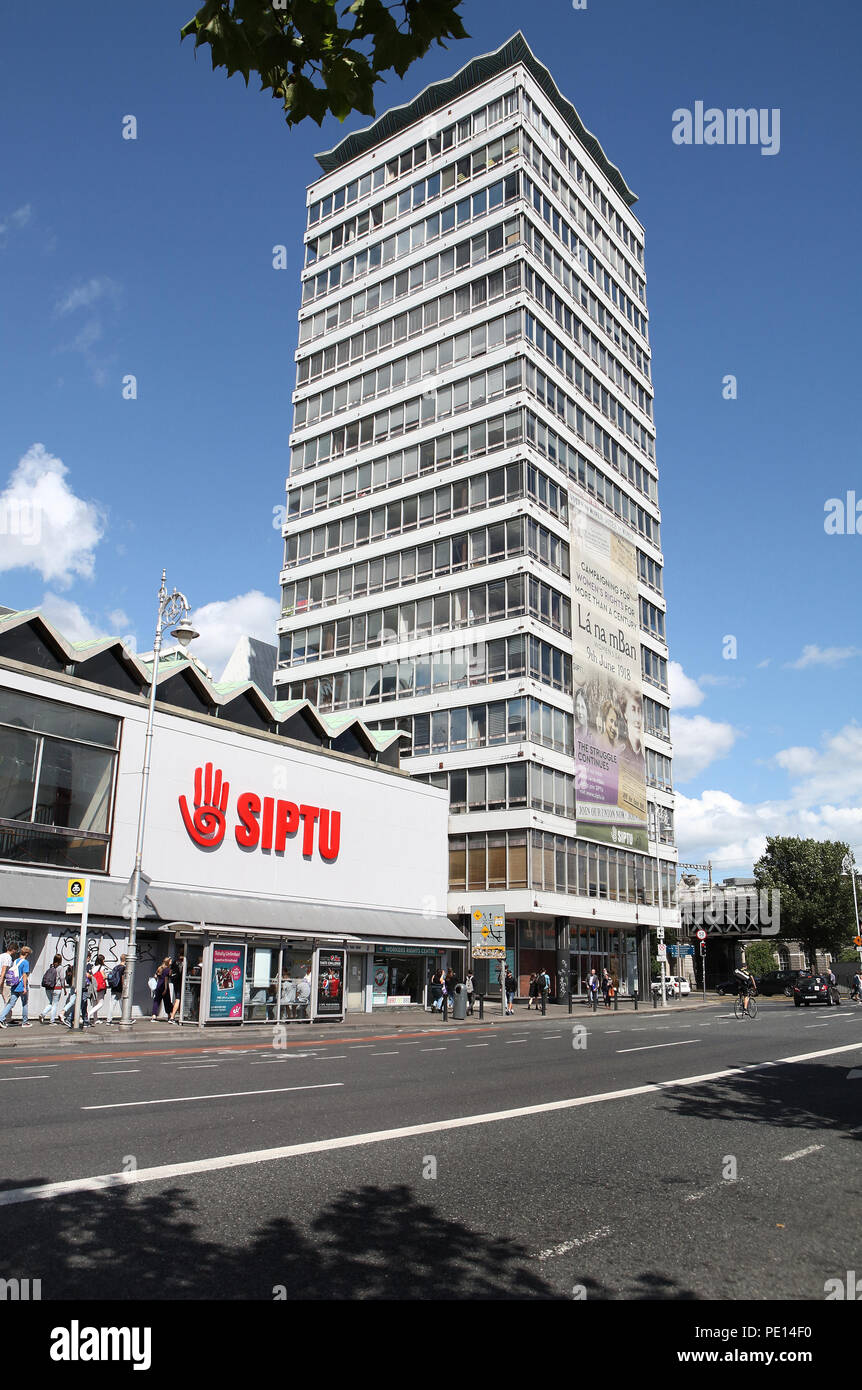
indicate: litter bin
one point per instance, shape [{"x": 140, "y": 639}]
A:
[{"x": 459, "y": 1003}]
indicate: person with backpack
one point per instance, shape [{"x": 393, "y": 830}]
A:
[
  {"x": 71, "y": 985},
  {"x": 6, "y": 959},
  {"x": 99, "y": 989},
  {"x": 510, "y": 991},
  {"x": 54, "y": 986},
  {"x": 470, "y": 987},
  {"x": 543, "y": 986},
  {"x": 115, "y": 985},
  {"x": 18, "y": 979}
]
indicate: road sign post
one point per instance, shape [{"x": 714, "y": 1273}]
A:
[{"x": 78, "y": 901}]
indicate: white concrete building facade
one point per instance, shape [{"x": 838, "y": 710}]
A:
[{"x": 473, "y": 427}]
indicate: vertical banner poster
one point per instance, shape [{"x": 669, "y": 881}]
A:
[
  {"x": 227, "y": 982},
  {"x": 610, "y": 778},
  {"x": 330, "y": 984}
]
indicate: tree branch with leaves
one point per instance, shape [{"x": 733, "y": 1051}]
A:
[{"x": 310, "y": 59}]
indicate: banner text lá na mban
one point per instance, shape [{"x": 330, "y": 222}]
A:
[{"x": 606, "y": 676}]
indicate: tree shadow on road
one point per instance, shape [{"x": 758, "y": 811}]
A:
[
  {"x": 372, "y": 1243},
  {"x": 810, "y": 1096}
]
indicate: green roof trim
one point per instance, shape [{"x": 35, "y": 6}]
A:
[{"x": 438, "y": 94}]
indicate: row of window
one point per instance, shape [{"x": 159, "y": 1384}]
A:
[
  {"x": 514, "y": 597},
  {"x": 573, "y": 324},
  {"x": 418, "y": 195},
  {"x": 484, "y": 726},
  {"x": 473, "y": 250},
  {"x": 557, "y": 864},
  {"x": 548, "y": 133},
  {"x": 336, "y": 536},
  {"x": 412, "y": 238},
  {"x": 653, "y": 668},
  {"x": 420, "y": 318},
  {"x": 400, "y": 165},
  {"x": 503, "y": 721},
  {"x": 506, "y": 484},
  {"x": 585, "y": 220},
  {"x": 652, "y": 619},
  {"x": 480, "y": 663},
  {"x": 555, "y": 351},
  {"x": 582, "y": 254},
  {"x": 566, "y": 408},
  {"x": 658, "y": 770},
  {"x": 592, "y": 479},
  {"x": 417, "y": 366},
  {"x": 506, "y": 787}
]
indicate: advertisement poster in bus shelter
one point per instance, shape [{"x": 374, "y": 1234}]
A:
[
  {"x": 330, "y": 984},
  {"x": 227, "y": 982},
  {"x": 610, "y": 778}
]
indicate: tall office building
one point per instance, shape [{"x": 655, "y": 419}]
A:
[{"x": 472, "y": 544}]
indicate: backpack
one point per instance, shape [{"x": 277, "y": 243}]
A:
[
  {"x": 115, "y": 979},
  {"x": 12, "y": 979},
  {"x": 49, "y": 979}
]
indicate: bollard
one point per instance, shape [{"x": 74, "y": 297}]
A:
[
  {"x": 570, "y": 1000},
  {"x": 635, "y": 998},
  {"x": 481, "y": 1006},
  {"x": 544, "y": 1002},
  {"x": 444, "y": 1009},
  {"x": 616, "y": 999},
  {"x": 655, "y": 999}
]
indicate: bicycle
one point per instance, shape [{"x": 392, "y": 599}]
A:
[{"x": 740, "y": 1012}]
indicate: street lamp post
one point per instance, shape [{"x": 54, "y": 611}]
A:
[
  {"x": 173, "y": 608},
  {"x": 662, "y": 820},
  {"x": 849, "y": 867}
]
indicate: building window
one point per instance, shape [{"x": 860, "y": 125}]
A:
[{"x": 57, "y": 773}]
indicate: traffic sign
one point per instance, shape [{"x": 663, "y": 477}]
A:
[
  {"x": 659, "y": 931},
  {"x": 857, "y": 941},
  {"x": 76, "y": 892},
  {"x": 488, "y": 926},
  {"x": 700, "y": 934},
  {"x": 662, "y": 951}
]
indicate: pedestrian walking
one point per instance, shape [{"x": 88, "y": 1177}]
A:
[
  {"x": 53, "y": 983},
  {"x": 177, "y": 988},
  {"x": 856, "y": 992},
  {"x": 161, "y": 990},
  {"x": 450, "y": 983},
  {"x": 99, "y": 989},
  {"x": 543, "y": 985},
  {"x": 510, "y": 991},
  {"x": 116, "y": 977},
  {"x": 6, "y": 959},
  {"x": 437, "y": 991},
  {"x": 592, "y": 984},
  {"x": 303, "y": 995},
  {"x": 18, "y": 976},
  {"x": 532, "y": 992},
  {"x": 470, "y": 987},
  {"x": 607, "y": 989}
]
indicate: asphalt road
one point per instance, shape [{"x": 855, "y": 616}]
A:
[{"x": 389, "y": 1164}]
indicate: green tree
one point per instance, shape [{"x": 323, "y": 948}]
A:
[
  {"x": 816, "y": 898},
  {"x": 309, "y": 60},
  {"x": 760, "y": 958}
]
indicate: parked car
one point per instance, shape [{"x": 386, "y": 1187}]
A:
[
  {"x": 815, "y": 989},
  {"x": 731, "y": 986},
  {"x": 779, "y": 982},
  {"x": 674, "y": 986}
]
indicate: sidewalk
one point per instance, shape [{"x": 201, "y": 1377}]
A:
[{"x": 410, "y": 1020}]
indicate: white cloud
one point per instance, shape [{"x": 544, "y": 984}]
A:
[
  {"x": 88, "y": 293},
  {"x": 684, "y": 692},
  {"x": 43, "y": 525},
  {"x": 222, "y": 623},
  {"x": 761, "y": 665},
  {"x": 730, "y": 682},
  {"x": 813, "y": 655},
  {"x": 119, "y": 620},
  {"x": 822, "y": 804},
  {"x": 14, "y": 221},
  {"x": 697, "y": 742},
  {"x": 69, "y": 618}
]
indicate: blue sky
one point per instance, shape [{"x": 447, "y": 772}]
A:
[{"x": 154, "y": 257}]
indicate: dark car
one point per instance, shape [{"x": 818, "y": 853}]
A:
[
  {"x": 731, "y": 986},
  {"x": 779, "y": 982},
  {"x": 815, "y": 989}
]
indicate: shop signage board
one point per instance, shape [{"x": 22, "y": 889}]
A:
[
  {"x": 404, "y": 948},
  {"x": 226, "y": 985},
  {"x": 487, "y": 928},
  {"x": 328, "y": 984}
]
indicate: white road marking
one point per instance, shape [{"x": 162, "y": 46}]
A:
[
  {"x": 193, "y": 1066},
  {"x": 478, "y": 1044},
  {"x": 332, "y": 1057},
  {"x": 802, "y": 1153},
  {"x": 219, "y": 1095},
  {"x": 549, "y": 1037},
  {"x": 568, "y": 1245},
  {"x": 125, "y": 1071},
  {"x": 514, "y": 1042},
  {"x": 385, "y": 1054},
  {"x": 432, "y": 1049},
  {"x": 40, "y": 1076},
  {"x": 15, "y": 1196},
  {"x": 651, "y": 1047},
  {"x": 358, "y": 1047}
]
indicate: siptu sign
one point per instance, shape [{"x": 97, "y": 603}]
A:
[{"x": 258, "y": 822}]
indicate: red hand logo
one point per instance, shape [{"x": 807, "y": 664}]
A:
[{"x": 207, "y": 825}]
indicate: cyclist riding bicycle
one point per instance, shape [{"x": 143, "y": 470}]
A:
[{"x": 746, "y": 985}]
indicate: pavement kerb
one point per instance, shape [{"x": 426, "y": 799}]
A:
[{"x": 557, "y": 1015}]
